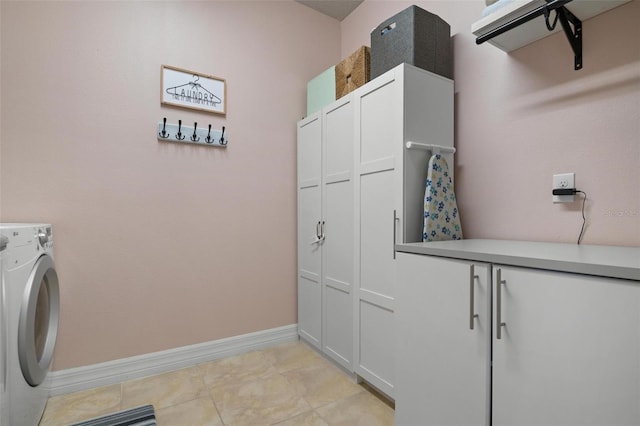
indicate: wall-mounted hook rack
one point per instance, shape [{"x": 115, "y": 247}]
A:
[{"x": 192, "y": 135}]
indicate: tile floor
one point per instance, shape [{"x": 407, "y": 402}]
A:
[{"x": 286, "y": 385}]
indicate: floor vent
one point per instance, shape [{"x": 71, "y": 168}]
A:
[{"x": 140, "y": 416}]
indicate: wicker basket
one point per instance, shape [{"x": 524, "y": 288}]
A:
[{"x": 353, "y": 72}]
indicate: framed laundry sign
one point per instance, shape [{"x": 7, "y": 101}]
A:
[{"x": 190, "y": 89}]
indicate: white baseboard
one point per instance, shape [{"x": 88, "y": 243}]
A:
[{"x": 120, "y": 370}]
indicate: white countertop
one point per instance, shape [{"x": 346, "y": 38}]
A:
[{"x": 605, "y": 261}]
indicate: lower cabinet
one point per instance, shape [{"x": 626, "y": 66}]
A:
[
  {"x": 443, "y": 323},
  {"x": 558, "y": 349},
  {"x": 569, "y": 349}
]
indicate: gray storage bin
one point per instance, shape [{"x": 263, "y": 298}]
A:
[{"x": 416, "y": 37}]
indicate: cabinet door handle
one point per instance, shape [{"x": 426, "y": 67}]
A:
[
  {"x": 395, "y": 219},
  {"x": 472, "y": 279},
  {"x": 319, "y": 233},
  {"x": 499, "y": 323}
]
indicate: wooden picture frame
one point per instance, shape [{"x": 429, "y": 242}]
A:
[{"x": 189, "y": 89}]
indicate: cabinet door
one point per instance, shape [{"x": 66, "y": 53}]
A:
[
  {"x": 569, "y": 349},
  {"x": 379, "y": 209},
  {"x": 309, "y": 224},
  {"x": 337, "y": 250},
  {"x": 380, "y": 142},
  {"x": 442, "y": 364}
]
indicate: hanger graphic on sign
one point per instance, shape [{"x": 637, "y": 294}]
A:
[{"x": 194, "y": 85}]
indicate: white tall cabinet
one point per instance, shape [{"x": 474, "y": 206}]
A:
[
  {"x": 361, "y": 191},
  {"x": 309, "y": 229},
  {"x": 325, "y": 231},
  {"x": 404, "y": 104},
  {"x": 556, "y": 340}
]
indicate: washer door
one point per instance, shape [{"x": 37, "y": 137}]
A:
[{"x": 38, "y": 325}]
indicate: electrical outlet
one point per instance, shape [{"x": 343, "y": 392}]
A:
[{"x": 564, "y": 181}]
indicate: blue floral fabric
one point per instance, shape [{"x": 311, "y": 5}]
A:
[{"x": 441, "y": 218}]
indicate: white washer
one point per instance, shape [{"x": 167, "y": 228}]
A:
[{"x": 30, "y": 306}]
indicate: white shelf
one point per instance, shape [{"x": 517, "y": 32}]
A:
[{"x": 535, "y": 29}]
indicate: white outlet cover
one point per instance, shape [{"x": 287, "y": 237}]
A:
[{"x": 564, "y": 180}]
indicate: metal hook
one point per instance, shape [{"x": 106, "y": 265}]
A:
[
  {"x": 164, "y": 134},
  {"x": 195, "y": 137},
  {"x": 550, "y": 27},
  {"x": 222, "y": 141},
  {"x": 209, "y": 139},
  {"x": 179, "y": 135}
]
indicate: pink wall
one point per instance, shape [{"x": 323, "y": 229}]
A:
[
  {"x": 524, "y": 116},
  {"x": 158, "y": 245}
]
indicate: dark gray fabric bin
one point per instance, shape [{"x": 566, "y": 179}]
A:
[{"x": 416, "y": 37}]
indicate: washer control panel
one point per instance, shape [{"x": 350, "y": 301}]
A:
[
  {"x": 39, "y": 236},
  {"x": 44, "y": 237}
]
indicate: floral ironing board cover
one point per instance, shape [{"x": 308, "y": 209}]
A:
[{"x": 441, "y": 217}]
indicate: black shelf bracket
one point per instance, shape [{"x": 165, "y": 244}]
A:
[{"x": 566, "y": 18}]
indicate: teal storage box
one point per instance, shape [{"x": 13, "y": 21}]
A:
[{"x": 321, "y": 90}]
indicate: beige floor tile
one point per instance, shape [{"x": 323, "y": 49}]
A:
[
  {"x": 75, "y": 407},
  {"x": 322, "y": 384},
  {"x": 310, "y": 418},
  {"x": 260, "y": 402},
  {"x": 237, "y": 369},
  {"x": 164, "y": 390},
  {"x": 198, "y": 412},
  {"x": 280, "y": 385},
  {"x": 290, "y": 356},
  {"x": 362, "y": 409}
]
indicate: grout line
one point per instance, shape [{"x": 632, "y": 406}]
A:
[
  {"x": 121, "y": 396},
  {"x": 215, "y": 405}
]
